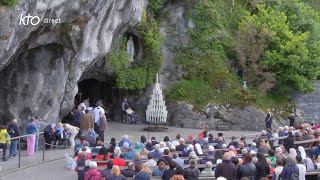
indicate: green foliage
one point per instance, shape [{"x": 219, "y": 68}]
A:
[
  {"x": 205, "y": 58},
  {"x": 288, "y": 54},
  {"x": 273, "y": 101},
  {"x": 8, "y": 2},
  {"x": 138, "y": 76},
  {"x": 156, "y": 5},
  {"x": 196, "y": 91}
]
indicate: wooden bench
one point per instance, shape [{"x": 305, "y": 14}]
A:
[
  {"x": 307, "y": 141},
  {"x": 200, "y": 166},
  {"x": 278, "y": 138}
]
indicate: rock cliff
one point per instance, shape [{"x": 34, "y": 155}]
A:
[{"x": 40, "y": 65}]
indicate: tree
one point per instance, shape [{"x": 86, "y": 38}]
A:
[
  {"x": 251, "y": 43},
  {"x": 288, "y": 55}
]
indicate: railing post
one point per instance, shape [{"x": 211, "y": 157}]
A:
[
  {"x": 19, "y": 153},
  {"x": 44, "y": 147}
]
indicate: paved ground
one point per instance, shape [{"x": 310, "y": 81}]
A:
[{"x": 53, "y": 168}]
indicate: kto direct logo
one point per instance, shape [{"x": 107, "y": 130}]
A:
[{"x": 35, "y": 20}]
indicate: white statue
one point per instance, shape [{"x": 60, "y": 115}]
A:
[
  {"x": 245, "y": 85},
  {"x": 130, "y": 49}
]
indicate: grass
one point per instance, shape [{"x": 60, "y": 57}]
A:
[
  {"x": 8, "y": 2},
  {"x": 197, "y": 92}
]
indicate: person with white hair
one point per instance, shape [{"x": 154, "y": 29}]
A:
[
  {"x": 293, "y": 152},
  {"x": 211, "y": 151},
  {"x": 116, "y": 158},
  {"x": 226, "y": 169},
  {"x": 275, "y": 135},
  {"x": 92, "y": 173},
  {"x": 233, "y": 149},
  {"x": 156, "y": 152},
  {"x": 172, "y": 150},
  {"x": 205, "y": 144},
  {"x": 223, "y": 147},
  {"x": 193, "y": 156},
  {"x": 253, "y": 147},
  {"x": 129, "y": 153},
  {"x": 186, "y": 153},
  {"x": 192, "y": 172},
  {"x": 208, "y": 170},
  {"x": 73, "y": 131},
  {"x": 244, "y": 151},
  {"x": 102, "y": 123},
  {"x": 163, "y": 146},
  {"x": 125, "y": 139},
  {"x": 281, "y": 133},
  {"x": 286, "y": 130}
]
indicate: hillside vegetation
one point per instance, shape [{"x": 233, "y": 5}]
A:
[{"x": 272, "y": 46}]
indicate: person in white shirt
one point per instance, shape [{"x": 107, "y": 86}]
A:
[
  {"x": 151, "y": 162},
  {"x": 302, "y": 168},
  {"x": 84, "y": 104},
  {"x": 96, "y": 115},
  {"x": 278, "y": 169}
]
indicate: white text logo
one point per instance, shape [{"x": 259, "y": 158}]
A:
[
  {"x": 35, "y": 20},
  {"x": 26, "y": 20}
]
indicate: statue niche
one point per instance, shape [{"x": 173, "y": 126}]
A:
[
  {"x": 133, "y": 47},
  {"x": 130, "y": 49}
]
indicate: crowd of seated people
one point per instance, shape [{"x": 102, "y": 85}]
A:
[{"x": 267, "y": 157}]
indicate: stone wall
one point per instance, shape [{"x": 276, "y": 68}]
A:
[{"x": 309, "y": 103}]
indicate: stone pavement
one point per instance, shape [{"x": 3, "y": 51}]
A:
[{"x": 33, "y": 168}]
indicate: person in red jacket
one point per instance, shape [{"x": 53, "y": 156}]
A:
[
  {"x": 104, "y": 155},
  {"x": 117, "y": 160},
  {"x": 92, "y": 173}
]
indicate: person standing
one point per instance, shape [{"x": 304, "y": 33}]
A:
[
  {"x": 38, "y": 123},
  {"x": 13, "y": 131},
  {"x": 84, "y": 104},
  {"x": 78, "y": 116},
  {"x": 87, "y": 122},
  {"x": 31, "y": 129},
  {"x": 291, "y": 119},
  {"x": 96, "y": 114},
  {"x": 4, "y": 141},
  {"x": 269, "y": 119},
  {"x": 102, "y": 123}
]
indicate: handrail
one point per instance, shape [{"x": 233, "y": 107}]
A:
[{"x": 18, "y": 137}]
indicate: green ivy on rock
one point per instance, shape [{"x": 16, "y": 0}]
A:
[
  {"x": 141, "y": 74},
  {"x": 8, "y": 2}
]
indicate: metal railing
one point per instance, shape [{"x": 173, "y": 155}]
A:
[{"x": 19, "y": 143}]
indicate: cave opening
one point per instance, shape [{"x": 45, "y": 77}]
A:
[{"x": 96, "y": 90}]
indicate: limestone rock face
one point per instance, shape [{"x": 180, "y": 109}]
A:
[
  {"x": 217, "y": 117},
  {"x": 41, "y": 65}
]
